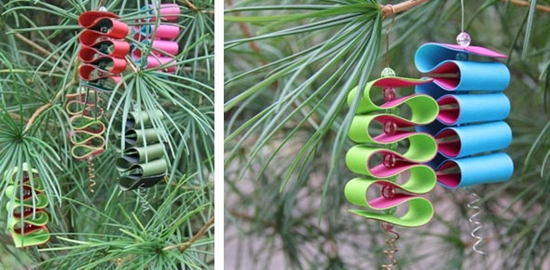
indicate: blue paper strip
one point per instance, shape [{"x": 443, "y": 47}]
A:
[
  {"x": 462, "y": 109},
  {"x": 493, "y": 168},
  {"x": 474, "y": 139}
]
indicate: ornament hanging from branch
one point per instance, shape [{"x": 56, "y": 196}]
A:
[
  {"x": 470, "y": 131},
  {"x": 142, "y": 163},
  {"x": 28, "y": 225},
  {"x": 398, "y": 172},
  {"x": 103, "y": 50},
  {"x": 156, "y": 47}
]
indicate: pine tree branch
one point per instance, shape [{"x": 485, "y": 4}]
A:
[
  {"x": 190, "y": 5},
  {"x": 246, "y": 33},
  {"x": 184, "y": 246},
  {"x": 37, "y": 47},
  {"x": 521, "y": 3},
  {"x": 401, "y": 7},
  {"x": 47, "y": 105}
]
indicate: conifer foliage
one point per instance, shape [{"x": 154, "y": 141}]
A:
[
  {"x": 289, "y": 66},
  {"x": 112, "y": 173}
]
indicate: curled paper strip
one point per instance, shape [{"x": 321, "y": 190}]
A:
[
  {"x": 465, "y": 109},
  {"x": 440, "y": 59},
  {"x": 470, "y": 128},
  {"x": 470, "y": 171},
  {"x": 456, "y": 142},
  {"x": 385, "y": 161},
  {"x": 27, "y": 226},
  {"x": 103, "y": 22},
  {"x": 420, "y": 210},
  {"x": 103, "y": 52},
  {"x": 142, "y": 164}
]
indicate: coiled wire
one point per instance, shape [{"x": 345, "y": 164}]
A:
[
  {"x": 391, "y": 243},
  {"x": 142, "y": 196},
  {"x": 475, "y": 220},
  {"x": 91, "y": 173}
]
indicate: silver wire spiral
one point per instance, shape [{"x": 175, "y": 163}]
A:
[
  {"x": 472, "y": 205},
  {"x": 142, "y": 194}
]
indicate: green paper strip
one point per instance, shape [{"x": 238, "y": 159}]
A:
[
  {"x": 10, "y": 176},
  {"x": 142, "y": 118},
  {"x": 40, "y": 218},
  {"x": 37, "y": 236},
  {"x": 40, "y": 201},
  {"x": 417, "y": 103},
  {"x": 138, "y": 136},
  {"x": 155, "y": 167},
  {"x": 420, "y": 212},
  {"x": 131, "y": 182},
  {"x": 359, "y": 129},
  {"x": 419, "y": 182},
  {"x": 422, "y": 148},
  {"x": 144, "y": 153}
]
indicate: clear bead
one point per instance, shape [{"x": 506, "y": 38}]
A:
[
  {"x": 388, "y": 192},
  {"x": 462, "y": 56},
  {"x": 463, "y": 39},
  {"x": 389, "y": 93},
  {"x": 103, "y": 9},
  {"x": 389, "y": 161},
  {"x": 387, "y": 72},
  {"x": 389, "y": 127}
]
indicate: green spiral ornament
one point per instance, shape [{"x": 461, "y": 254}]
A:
[{"x": 398, "y": 152}]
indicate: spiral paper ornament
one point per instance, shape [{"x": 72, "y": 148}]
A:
[
  {"x": 28, "y": 225},
  {"x": 103, "y": 50},
  {"x": 378, "y": 159},
  {"x": 157, "y": 47},
  {"x": 87, "y": 134},
  {"x": 470, "y": 131},
  {"x": 142, "y": 163}
]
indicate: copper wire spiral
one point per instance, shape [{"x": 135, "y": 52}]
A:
[
  {"x": 91, "y": 174},
  {"x": 391, "y": 243},
  {"x": 475, "y": 221}
]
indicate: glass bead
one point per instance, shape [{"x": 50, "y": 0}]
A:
[
  {"x": 389, "y": 93},
  {"x": 388, "y": 192},
  {"x": 102, "y": 9},
  {"x": 389, "y": 127},
  {"x": 387, "y": 72},
  {"x": 389, "y": 160},
  {"x": 463, "y": 39}
]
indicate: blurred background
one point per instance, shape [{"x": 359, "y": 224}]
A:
[{"x": 289, "y": 65}]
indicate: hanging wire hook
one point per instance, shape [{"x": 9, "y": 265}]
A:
[
  {"x": 462, "y": 20},
  {"x": 388, "y": 36},
  {"x": 473, "y": 219},
  {"x": 391, "y": 243}
]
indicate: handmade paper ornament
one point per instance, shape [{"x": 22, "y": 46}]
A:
[
  {"x": 87, "y": 129},
  {"x": 157, "y": 46},
  {"x": 471, "y": 128},
  {"x": 377, "y": 158},
  {"x": 470, "y": 131},
  {"x": 391, "y": 154},
  {"x": 103, "y": 51},
  {"x": 28, "y": 225},
  {"x": 86, "y": 135},
  {"x": 142, "y": 163}
]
